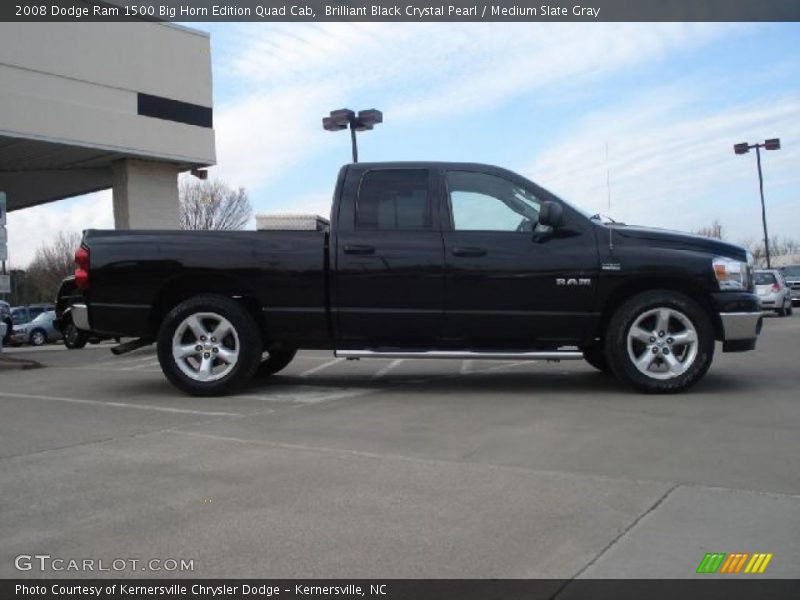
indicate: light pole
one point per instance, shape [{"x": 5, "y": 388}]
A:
[
  {"x": 744, "y": 148},
  {"x": 344, "y": 118}
]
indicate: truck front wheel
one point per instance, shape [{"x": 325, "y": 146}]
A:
[
  {"x": 209, "y": 346},
  {"x": 660, "y": 341}
]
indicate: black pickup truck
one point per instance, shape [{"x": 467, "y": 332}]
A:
[{"x": 424, "y": 260}]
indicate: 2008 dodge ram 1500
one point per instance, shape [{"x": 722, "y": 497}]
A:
[{"x": 424, "y": 260}]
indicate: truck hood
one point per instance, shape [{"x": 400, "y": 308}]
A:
[{"x": 679, "y": 239}]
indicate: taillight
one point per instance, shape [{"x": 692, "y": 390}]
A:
[
  {"x": 82, "y": 270},
  {"x": 776, "y": 287}
]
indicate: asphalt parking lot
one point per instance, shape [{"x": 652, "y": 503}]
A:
[{"x": 391, "y": 468}]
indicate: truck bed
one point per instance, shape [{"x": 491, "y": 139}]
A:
[{"x": 281, "y": 273}]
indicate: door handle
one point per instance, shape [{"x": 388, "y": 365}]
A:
[
  {"x": 359, "y": 249},
  {"x": 469, "y": 251}
]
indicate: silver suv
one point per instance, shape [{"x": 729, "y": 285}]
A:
[
  {"x": 792, "y": 276},
  {"x": 773, "y": 292}
]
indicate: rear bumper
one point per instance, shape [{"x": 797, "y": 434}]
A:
[{"x": 80, "y": 316}]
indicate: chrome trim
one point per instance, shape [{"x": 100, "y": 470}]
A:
[
  {"x": 80, "y": 316},
  {"x": 462, "y": 354},
  {"x": 740, "y": 325}
]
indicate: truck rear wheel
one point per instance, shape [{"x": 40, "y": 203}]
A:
[
  {"x": 74, "y": 338},
  {"x": 209, "y": 346},
  {"x": 275, "y": 362},
  {"x": 660, "y": 341}
]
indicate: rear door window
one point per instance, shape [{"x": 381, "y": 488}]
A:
[{"x": 394, "y": 199}]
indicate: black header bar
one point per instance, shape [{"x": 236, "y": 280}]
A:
[{"x": 401, "y": 10}]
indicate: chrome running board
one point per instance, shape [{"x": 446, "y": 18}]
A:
[{"x": 462, "y": 354}]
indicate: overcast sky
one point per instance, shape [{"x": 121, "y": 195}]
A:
[{"x": 667, "y": 100}]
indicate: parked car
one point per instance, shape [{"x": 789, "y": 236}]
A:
[
  {"x": 773, "y": 292},
  {"x": 25, "y": 314},
  {"x": 38, "y": 332},
  {"x": 74, "y": 339},
  {"x": 5, "y": 318},
  {"x": 424, "y": 260},
  {"x": 792, "y": 276}
]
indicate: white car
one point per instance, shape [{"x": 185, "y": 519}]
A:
[{"x": 773, "y": 292}]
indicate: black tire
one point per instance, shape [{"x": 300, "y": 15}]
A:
[
  {"x": 595, "y": 356},
  {"x": 782, "y": 312},
  {"x": 243, "y": 340},
  {"x": 790, "y": 310},
  {"x": 651, "y": 379},
  {"x": 74, "y": 338},
  {"x": 275, "y": 362},
  {"x": 37, "y": 337}
]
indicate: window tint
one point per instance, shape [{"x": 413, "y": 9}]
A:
[
  {"x": 764, "y": 279},
  {"x": 481, "y": 202},
  {"x": 394, "y": 199}
]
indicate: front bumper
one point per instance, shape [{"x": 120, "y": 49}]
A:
[
  {"x": 740, "y": 320},
  {"x": 740, "y": 330}
]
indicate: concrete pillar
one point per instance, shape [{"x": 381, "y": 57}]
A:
[{"x": 145, "y": 194}]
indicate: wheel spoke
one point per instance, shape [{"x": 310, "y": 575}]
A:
[
  {"x": 222, "y": 329},
  {"x": 638, "y": 333},
  {"x": 644, "y": 361},
  {"x": 198, "y": 329},
  {"x": 185, "y": 351},
  {"x": 684, "y": 337},
  {"x": 228, "y": 356},
  {"x": 205, "y": 369},
  {"x": 675, "y": 366},
  {"x": 662, "y": 321}
]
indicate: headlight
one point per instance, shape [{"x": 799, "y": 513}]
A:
[{"x": 733, "y": 274}]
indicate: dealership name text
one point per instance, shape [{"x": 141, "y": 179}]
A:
[{"x": 215, "y": 591}]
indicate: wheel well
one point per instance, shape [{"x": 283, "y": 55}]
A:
[
  {"x": 182, "y": 289},
  {"x": 687, "y": 287}
]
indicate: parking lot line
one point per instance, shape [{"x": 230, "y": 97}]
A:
[
  {"x": 145, "y": 365},
  {"x": 318, "y": 368},
  {"x": 119, "y": 405},
  {"x": 383, "y": 371}
]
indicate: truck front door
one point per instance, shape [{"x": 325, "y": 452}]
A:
[
  {"x": 389, "y": 271},
  {"x": 511, "y": 282}
]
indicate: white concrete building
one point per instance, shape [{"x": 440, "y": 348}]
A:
[{"x": 91, "y": 106}]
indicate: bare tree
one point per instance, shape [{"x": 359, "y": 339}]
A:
[
  {"x": 777, "y": 247},
  {"x": 715, "y": 230},
  {"x": 213, "y": 205},
  {"x": 52, "y": 262}
]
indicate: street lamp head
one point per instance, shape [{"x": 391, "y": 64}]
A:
[
  {"x": 772, "y": 144},
  {"x": 329, "y": 124},
  {"x": 371, "y": 116},
  {"x": 342, "y": 118},
  {"x": 742, "y": 148}
]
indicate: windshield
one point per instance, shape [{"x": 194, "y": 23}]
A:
[
  {"x": 792, "y": 272},
  {"x": 764, "y": 278},
  {"x": 45, "y": 316}
]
